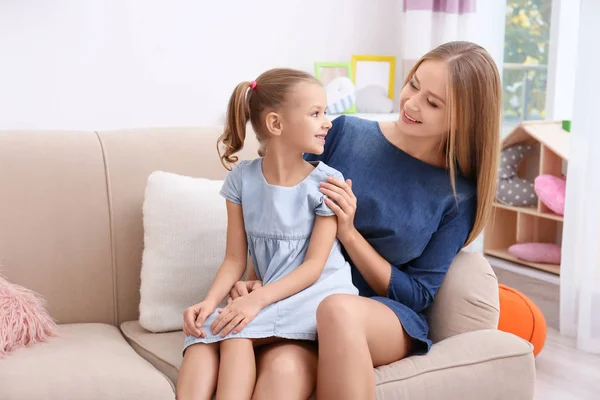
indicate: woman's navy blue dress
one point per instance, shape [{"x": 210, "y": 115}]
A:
[{"x": 407, "y": 211}]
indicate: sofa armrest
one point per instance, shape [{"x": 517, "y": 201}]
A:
[
  {"x": 467, "y": 300},
  {"x": 485, "y": 364}
]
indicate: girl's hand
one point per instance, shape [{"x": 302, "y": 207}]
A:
[
  {"x": 194, "y": 317},
  {"x": 236, "y": 315},
  {"x": 341, "y": 200},
  {"x": 242, "y": 288}
]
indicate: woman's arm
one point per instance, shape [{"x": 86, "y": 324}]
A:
[
  {"x": 319, "y": 248},
  {"x": 416, "y": 284},
  {"x": 234, "y": 264},
  {"x": 374, "y": 268}
]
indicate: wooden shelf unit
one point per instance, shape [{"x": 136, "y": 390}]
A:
[{"x": 509, "y": 225}]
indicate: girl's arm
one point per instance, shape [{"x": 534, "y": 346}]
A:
[
  {"x": 319, "y": 248},
  {"x": 242, "y": 288},
  {"x": 234, "y": 264},
  {"x": 250, "y": 272}
]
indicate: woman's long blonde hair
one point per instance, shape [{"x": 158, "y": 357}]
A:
[{"x": 474, "y": 111}]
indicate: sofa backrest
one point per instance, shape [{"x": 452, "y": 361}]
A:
[
  {"x": 71, "y": 211},
  {"x": 71, "y": 223}
]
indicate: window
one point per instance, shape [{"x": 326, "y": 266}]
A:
[{"x": 525, "y": 70}]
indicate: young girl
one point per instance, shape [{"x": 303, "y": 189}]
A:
[{"x": 277, "y": 214}]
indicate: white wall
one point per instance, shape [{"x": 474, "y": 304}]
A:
[{"x": 69, "y": 64}]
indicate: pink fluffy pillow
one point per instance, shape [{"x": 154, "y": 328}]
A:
[
  {"x": 551, "y": 191},
  {"x": 547, "y": 253},
  {"x": 24, "y": 319}
]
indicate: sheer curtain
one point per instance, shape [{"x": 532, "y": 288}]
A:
[
  {"x": 429, "y": 23},
  {"x": 580, "y": 267}
]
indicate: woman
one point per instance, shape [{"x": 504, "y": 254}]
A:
[{"x": 420, "y": 189}]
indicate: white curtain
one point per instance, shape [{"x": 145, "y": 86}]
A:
[
  {"x": 429, "y": 23},
  {"x": 580, "y": 266}
]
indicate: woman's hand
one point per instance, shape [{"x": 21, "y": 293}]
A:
[
  {"x": 341, "y": 200},
  {"x": 194, "y": 317},
  {"x": 236, "y": 315},
  {"x": 242, "y": 288}
]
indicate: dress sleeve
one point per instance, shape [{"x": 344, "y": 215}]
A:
[
  {"x": 337, "y": 125},
  {"x": 322, "y": 208},
  {"x": 232, "y": 186},
  {"x": 417, "y": 282}
]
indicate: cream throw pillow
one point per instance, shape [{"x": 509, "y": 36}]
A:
[{"x": 185, "y": 223}]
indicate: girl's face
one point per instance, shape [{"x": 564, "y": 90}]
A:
[
  {"x": 423, "y": 101},
  {"x": 304, "y": 120}
]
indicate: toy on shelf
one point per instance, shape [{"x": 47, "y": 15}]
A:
[
  {"x": 528, "y": 230},
  {"x": 548, "y": 253},
  {"x": 512, "y": 189},
  {"x": 341, "y": 95},
  {"x": 551, "y": 191},
  {"x": 338, "y": 79}
]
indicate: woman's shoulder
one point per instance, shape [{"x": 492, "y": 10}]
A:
[
  {"x": 465, "y": 188},
  {"x": 351, "y": 124},
  {"x": 434, "y": 185},
  {"x": 462, "y": 203}
]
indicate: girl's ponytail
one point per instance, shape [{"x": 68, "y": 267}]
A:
[
  {"x": 248, "y": 102},
  {"x": 238, "y": 114}
]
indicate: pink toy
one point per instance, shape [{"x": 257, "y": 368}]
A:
[
  {"x": 23, "y": 318},
  {"x": 547, "y": 253},
  {"x": 551, "y": 191}
]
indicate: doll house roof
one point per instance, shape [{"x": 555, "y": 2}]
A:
[{"x": 549, "y": 133}]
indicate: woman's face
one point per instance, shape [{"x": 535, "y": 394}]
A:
[{"x": 423, "y": 102}]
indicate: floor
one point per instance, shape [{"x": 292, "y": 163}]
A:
[{"x": 562, "y": 371}]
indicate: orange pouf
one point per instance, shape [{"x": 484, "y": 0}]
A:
[{"x": 520, "y": 316}]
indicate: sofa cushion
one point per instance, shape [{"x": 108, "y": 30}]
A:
[
  {"x": 163, "y": 350},
  {"x": 185, "y": 226},
  {"x": 85, "y": 361},
  {"x": 467, "y": 300},
  {"x": 466, "y": 366},
  {"x": 130, "y": 156},
  {"x": 487, "y": 364}
]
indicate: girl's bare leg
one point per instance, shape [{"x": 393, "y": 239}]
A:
[
  {"x": 198, "y": 374},
  {"x": 286, "y": 370},
  {"x": 237, "y": 370},
  {"x": 355, "y": 335}
]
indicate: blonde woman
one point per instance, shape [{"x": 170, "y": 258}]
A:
[{"x": 418, "y": 190}]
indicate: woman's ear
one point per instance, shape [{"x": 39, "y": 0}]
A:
[{"x": 273, "y": 122}]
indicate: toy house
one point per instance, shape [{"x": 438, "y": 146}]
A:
[{"x": 531, "y": 150}]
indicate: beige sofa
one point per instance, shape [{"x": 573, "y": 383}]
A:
[{"x": 71, "y": 229}]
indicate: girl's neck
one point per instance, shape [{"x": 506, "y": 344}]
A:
[
  {"x": 426, "y": 149},
  {"x": 283, "y": 169}
]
